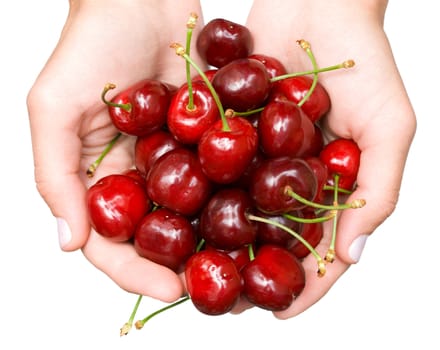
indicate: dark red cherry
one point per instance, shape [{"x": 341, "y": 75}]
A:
[
  {"x": 273, "y": 66},
  {"x": 213, "y": 282},
  {"x": 273, "y": 279},
  {"x": 141, "y": 108},
  {"x": 225, "y": 155},
  {"x": 188, "y": 124},
  {"x": 221, "y": 41},
  {"x": 116, "y": 203},
  {"x": 240, "y": 255},
  {"x": 272, "y": 180},
  {"x": 284, "y": 130},
  {"x": 223, "y": 222},
  {"x": 149, "y": 148},
  {"x": 166, "y": 238},
  {"x": 295, "y": 88},
  {"x": 342, "y": 157},
  {"x": 242, "y": 85},
  {"x": 321, "y": 172},
  {"x": 176, "y": 181}
]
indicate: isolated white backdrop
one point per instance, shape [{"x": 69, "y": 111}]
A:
[{"x": 51, "y": 299}]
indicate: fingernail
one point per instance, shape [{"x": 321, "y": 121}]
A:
[
  {"x": 356, "y": 248},
  {"x": 64, "y": 233}
]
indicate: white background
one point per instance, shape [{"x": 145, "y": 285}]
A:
[{"x": 51, "y": 299}]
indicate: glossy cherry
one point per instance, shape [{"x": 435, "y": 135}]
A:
[
  {"x": 284, "y": 130},
  {"x": 166, "y": 238},
  {"x": 273, "y": 66},
  {"x": 149, "y": 148},
  {"x": 213, "y": 281},
  {"x": 188, "y": 124},
  {"x": 273, "y": 279},
  {"x": 342, "y": 158},
  {"x": 321, "y": 173},
  {"x": 176, "y": 181},
  {"x": 141, "y": 108},
  {"x": 221, "y": 41},
  {"x": 225, "y": 155},
  {"x": 242, "y": 85},
  {"x": 116, "y": 203},
  {"x": 223, "y": 222},
  {"x": 295, "y": 88},
  {"x": 274, "y": 177}
]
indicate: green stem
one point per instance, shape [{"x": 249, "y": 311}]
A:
[
  {"x": 141, "y": 323},
  {"x": 129, "y": 324},
  {"x": 306, "y": 46},
  {"x": 251, "y": 252},
  {"x": 311, "y": 220},
  {"x": 330, "y": 256},
  {"x": 92, "y": 168},
  {"x": 341, "y": 190},
  {"x": 200, "y": 245},
  {"x": 190, "y": 26},
  {"x": 109, "y": 86}
]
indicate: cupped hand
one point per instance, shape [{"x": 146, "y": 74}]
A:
[
  {"x": 369, "y": 105},
  {"x": 102, "y": 41}
]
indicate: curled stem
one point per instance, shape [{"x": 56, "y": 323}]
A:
[{"x": 110, "y": 86}]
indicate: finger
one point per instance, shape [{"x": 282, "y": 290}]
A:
[{"x": 131, "y": 272}]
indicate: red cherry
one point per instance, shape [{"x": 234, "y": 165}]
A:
[
  {"x": 271, "y": 180},
  {"x": 273, "y": 66},
  {"x": 321, "y": 173},
  {"x": 141, "y": 108},
  {"x": 273, "y": 279},
  {"x": 116, "y": 203},
  {"x": 223, "y": 222},
  {"x": 221, "y": 41},
  {"x": 149, "y": 148},
  {"x": 295, "y": 88},
  {"x": 342, "y": 157},
  {"x": 213, "y": 282},
  {"x": 176, "y": 181},
  {"x": 242, "y": 85},
  {"x": 166, "y": 238},
  {"x": 311, "y": 232},
  {"x": 188, "y": 125},
  {"x": 284, "y": 130},
  {"x": 225, "y": 155}
]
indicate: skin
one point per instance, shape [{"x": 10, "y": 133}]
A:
[{"x": 70, "y": 126}]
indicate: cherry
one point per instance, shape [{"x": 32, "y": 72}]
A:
[
  {"x": 311, "y": 232},
  {"x": 274, "y": 178},
  {"x": 273, "y": 279},
  {"x": 295, "y": 88},
  {"x": 166, "y": 238},
  {"x": 116, "y": 203},
  {"x": 141, "y": 108},
  {"x": 149, "y": 148},
  {"x": 223, "y": 222},
  {"x": 284, "y": 130},
  {"x": 239, "y": 255},
  {"x": 226, "y": 154},
  {"x": 321, "y": 172},
  {"x": 136, "y": 175},
  {"x": 342, "y": 158},
  {"x": 273, "y": 66},
  {"x": 176, "y": 181},
  {"x": 271, "y": 234},
  {"x": 242, "y": 85},
  {"x": 187, "y": 124},
  {"x": 221, "y": 41},
  {"x": 213, "y": 281}
]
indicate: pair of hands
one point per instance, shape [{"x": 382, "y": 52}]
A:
[{"x": 112, "y": 41}]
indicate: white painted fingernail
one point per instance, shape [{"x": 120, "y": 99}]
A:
[
  {"x": 64, "y": 233},
  {"x": 357, "y": 247}
]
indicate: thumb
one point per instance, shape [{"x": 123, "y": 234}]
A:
[{"x": 56, "y": 150}]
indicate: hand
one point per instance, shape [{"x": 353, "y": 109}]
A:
[
  {"x": 102, "y": 41},
  {"x": 369, "y": 105}
]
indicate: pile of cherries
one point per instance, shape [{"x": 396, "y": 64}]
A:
[{"x": 232, "y": 175}]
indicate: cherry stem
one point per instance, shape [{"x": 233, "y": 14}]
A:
[
  {"x": 321, "y": 263},
  {"x": 141, "y": 323},
  {"x": 331, "y": 252},
  {"x": 190, "y": 25},
  {"x": 107, "y": 88},
  {"x": 92, "y": 168},
  {"x": 345, "y": 64},
  {"x": 318, "y": 219},
  {"x": 340, "y": 190},
  {"x": 306, "y": 46},
  {"x": 357, "y": 203},
  {"x": 129, "y": 324},
  {"x": 180, "y": 51},
  {"x": 200, "y": 245},
  {"x": 251, "y": 252}
]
